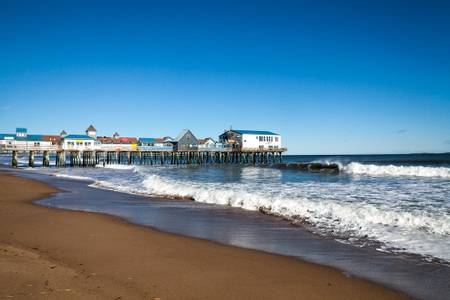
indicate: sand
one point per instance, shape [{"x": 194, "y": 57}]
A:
[{"x": 48, "y": 253}]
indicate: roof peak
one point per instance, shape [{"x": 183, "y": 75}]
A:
[{"x": 91, "y": 128}]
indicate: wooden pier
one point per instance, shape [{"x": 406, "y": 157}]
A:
[{"x": 73, "y": 158}]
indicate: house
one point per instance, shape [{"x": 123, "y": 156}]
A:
[
  {"x": 21, "y": 140},
  {"x": 185, "y": 141},
  {"x": 206, "y": 143},
  {"x": 251, "y": 139}
]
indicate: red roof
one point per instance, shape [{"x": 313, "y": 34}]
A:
[
  {"x": 52, "y": 138},
  {"x": 121, "y": 140}
]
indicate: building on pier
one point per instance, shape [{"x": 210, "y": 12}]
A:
[
  {"x": 79, "y": 142},
  {"x": 23, "y": 141},
  {"x": 155, "y": 144},
  {"x": 185, "y": 141},
  {"x": 206, "y": 143},
  {"x": 247, "y": 140},
  {"x": 117, "y": 143}
]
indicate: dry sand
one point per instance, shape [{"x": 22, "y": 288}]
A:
[{"x": 48, "y": 253}]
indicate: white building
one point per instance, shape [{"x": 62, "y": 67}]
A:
[
  {"x": 21, "y": 140},
  {"x": 79, "y": 142},
  {"x": 251, "y": 139}
]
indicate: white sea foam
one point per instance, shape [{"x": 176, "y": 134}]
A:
[
  {"x": 116, "y": 167},
  {"x": 75, "y": 177},
  {"x": 415, "y": 231},
  {"x": 391, "y": 170}
]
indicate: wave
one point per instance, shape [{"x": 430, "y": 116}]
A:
[
  {"x": 391, "y": 170},
  {"x": 301, "y": 208},
  {"x": 403, "y": 231}
]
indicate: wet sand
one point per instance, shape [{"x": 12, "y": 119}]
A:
[{"x": 49, "y": 253}]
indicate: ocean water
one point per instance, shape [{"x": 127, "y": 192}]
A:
[{"x": 394, "y": 203}]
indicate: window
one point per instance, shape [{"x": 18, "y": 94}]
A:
[
  {"x": 36, "y": 144},
  {"x": 276, "y": 139},
  {"x": 87, "y": 143},
  {"x": 79, "y": 143}
]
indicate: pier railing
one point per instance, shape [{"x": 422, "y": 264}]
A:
[
  {"x": 24, "y": 148},
  {"x": 215, "y": 149},
  {"x": 263, "y": 150},
  {"x": 155, "y": 148}
]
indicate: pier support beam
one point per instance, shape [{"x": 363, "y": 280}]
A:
[
  {"x": 31, "y": 159},
  {"x": 14, "y": 159},
  {"x": 61, "y": 159},
  {"x": 45, "y": 159}
]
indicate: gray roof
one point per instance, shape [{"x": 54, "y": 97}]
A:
[{"x": 181, "y": 134}]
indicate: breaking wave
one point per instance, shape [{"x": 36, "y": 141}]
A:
[
  {"x": 403, "y": 231},
  {"x": 392, "y": 170}
]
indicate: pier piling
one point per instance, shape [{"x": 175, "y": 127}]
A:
[
  {"x": 31, "y": 159},
  {"x": 14, "y": 159}
]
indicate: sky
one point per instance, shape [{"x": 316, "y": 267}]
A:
[{"x": 332, "y": 77}]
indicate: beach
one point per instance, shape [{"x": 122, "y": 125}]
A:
[{"x": 53, "y": 254}]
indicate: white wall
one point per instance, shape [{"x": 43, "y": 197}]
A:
[
  {"x": 26, "y": 145},
  {"x": 91, "y": 133},
  {"x": 252, "y": 141},
  {"x": 74, "y": 144}
]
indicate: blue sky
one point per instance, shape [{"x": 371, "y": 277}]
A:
[{"x": 333, "y": 77}]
